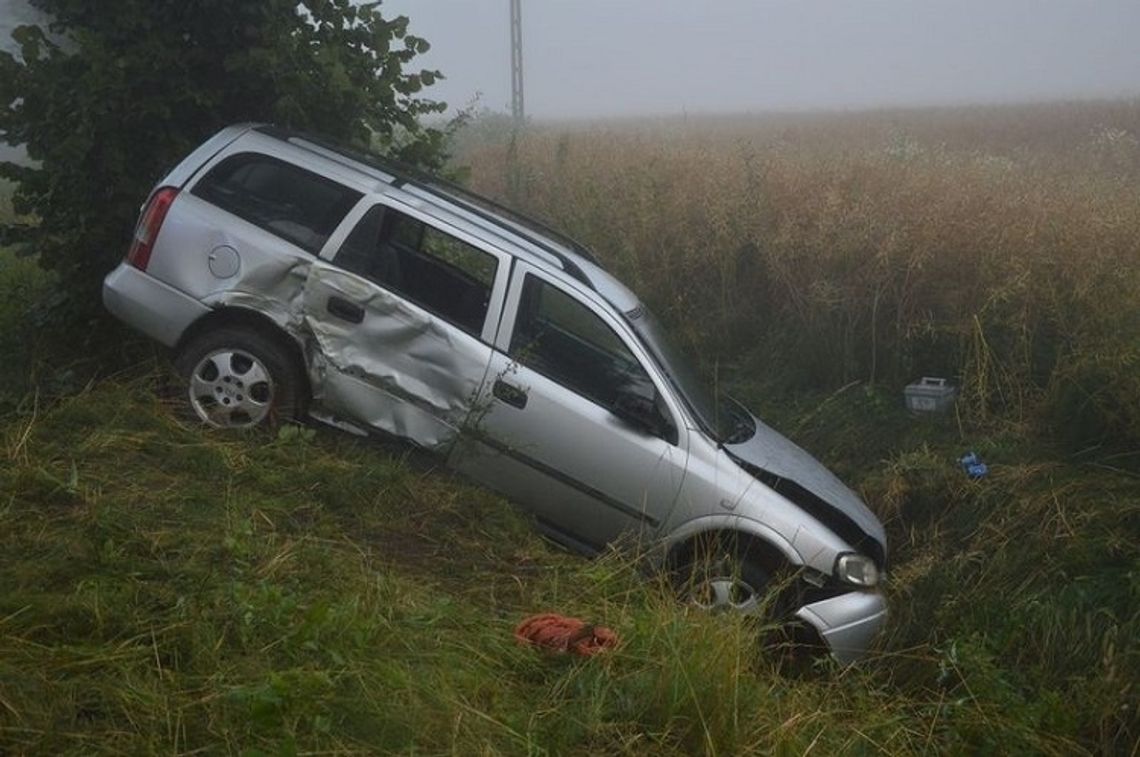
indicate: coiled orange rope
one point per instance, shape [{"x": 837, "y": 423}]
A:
[{"x": 562, "y": 634}]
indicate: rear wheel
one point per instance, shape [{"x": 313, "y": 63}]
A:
[{"x": 237, "y": 378}]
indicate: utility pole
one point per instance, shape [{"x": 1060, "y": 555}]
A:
[{"x": 518, "y": 112}]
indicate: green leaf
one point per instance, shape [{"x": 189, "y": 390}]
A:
[{"x": 139, "y": 84}]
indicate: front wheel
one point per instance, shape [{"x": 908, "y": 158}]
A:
[
  {"x": 719, "y": 579},
  {"x": 235, "y": 378}
]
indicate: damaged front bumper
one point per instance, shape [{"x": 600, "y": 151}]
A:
[{"x": 847, "y": 623}]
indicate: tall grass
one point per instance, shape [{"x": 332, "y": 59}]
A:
[{"x": 850, "y": 250}]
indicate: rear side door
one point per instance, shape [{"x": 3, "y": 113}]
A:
[
  {"x": 402, "y": 314},
  {"x": 544, "y": 431}
]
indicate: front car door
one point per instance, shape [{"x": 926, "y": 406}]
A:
[
  {"x": 402, "y": 314},
  {"x": 544, "y": 433}
]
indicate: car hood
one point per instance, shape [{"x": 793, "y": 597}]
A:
[{"x": 773, "y": 458}]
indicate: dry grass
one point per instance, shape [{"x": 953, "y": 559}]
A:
[{"x": 998, "y": 247}]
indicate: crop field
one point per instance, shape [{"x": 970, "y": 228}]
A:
[
  {"x": 165, "y": 588},
  {"x": 997, "y": 246}
]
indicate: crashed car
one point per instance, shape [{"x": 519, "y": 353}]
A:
[{"x": 294, "y": 278}]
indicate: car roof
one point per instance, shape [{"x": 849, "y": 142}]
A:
[{"x": 519, "y": 235}]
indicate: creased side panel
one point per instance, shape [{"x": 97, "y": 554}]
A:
[
  {"x": 274, "y": 288},
  {"x": 399, "y": 369}
]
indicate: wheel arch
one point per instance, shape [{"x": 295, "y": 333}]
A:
[
  {"x": 240, "y": 317},
  {"x": 773, "y": 550}
]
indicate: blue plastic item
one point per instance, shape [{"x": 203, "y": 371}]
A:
[{"x": 973, "y": 465}]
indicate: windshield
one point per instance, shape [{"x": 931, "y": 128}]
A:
[{"x": 720, "y": 416}]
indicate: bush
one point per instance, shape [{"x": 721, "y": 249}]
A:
[{"x": 116, "y": 93}]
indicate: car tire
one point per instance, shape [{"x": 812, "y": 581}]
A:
[
  {"x": 720, "y": 577},
  {"x": 239, "y": 378}
]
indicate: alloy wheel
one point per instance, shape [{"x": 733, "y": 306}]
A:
[{"x": 230, "y": 388}]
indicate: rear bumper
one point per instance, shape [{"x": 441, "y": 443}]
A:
[
  {"x": 143, "y": 302},
  {"x": 847, "y": 623}
]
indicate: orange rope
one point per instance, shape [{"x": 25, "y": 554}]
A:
[{"x": 562, "y": 634}]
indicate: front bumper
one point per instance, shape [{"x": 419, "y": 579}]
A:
[
  {"x": 158, "y": 310},
  {"x": 847, "y": 623}
]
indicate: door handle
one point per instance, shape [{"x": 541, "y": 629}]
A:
[
  {"x": 512, "y": 395},
  {"x": 345, "y": 310}
]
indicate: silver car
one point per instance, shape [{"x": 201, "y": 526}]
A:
[{"x": 294, "y": 278}]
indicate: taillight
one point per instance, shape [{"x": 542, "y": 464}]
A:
[{"x": 147, "y": 231}]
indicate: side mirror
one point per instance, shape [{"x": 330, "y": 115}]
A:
[{"x": 638, "y": 411}]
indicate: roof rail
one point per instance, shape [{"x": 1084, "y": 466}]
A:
[{"x": 450, "y": 192}]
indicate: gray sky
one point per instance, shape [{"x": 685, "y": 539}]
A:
[{"x": 622, "y": 57}]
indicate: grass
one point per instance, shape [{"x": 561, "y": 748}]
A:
[
  {"x": 169, "y": 589},
  {"x": 165, "y": 588}
]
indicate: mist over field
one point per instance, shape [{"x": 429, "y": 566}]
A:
[{"x": 596, "y": 58}]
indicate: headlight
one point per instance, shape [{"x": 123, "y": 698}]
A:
[{"x": 856, "y": 569}]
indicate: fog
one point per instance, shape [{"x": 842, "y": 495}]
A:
[{"x": 588, "y": 58}]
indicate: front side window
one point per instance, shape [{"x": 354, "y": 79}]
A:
[
  {"x": 561, "y": 338},
  {"x": 723, "y": 418},
  {"x": 291, "y": 202},
  {"x": 437, "y": 271}
]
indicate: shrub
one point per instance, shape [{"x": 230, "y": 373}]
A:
[{"x": 116, "y": 93}]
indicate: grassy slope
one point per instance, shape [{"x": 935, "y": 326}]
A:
[{"x": 167, "y": 588}]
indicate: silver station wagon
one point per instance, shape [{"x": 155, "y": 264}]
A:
[{"x": 294, "y": 278}]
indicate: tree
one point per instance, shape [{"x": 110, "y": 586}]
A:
[{"x": 112, "y": 95}]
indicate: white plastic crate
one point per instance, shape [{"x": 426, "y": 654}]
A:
[{"x": 929, "y": 395}]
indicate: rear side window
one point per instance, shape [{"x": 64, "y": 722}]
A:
[
  {"x": 295, "y": 204},
  {"x": 439, "y": 272}
]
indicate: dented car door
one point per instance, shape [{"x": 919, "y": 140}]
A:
[{"x": 400, "y": 320}]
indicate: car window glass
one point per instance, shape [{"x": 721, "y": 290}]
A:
[
  {"x": 402, "y": 229},
  {"x": 439, "y": 272},
  {"x": 480, "y": 267},
  {"x": 291, "y": 202},
  {"x": 563, "y": 339}
]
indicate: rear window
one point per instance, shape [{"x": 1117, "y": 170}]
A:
[{"x": 297, "y": 205}]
